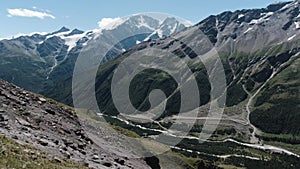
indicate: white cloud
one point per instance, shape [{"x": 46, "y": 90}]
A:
[
  {"x": 109, "y": 23},
  {"x": 28, "y": 13}
]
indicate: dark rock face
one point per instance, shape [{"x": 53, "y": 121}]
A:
[
  {"x": 34, "y": 120},
  {"x": 276, "y": 6},
  {"x": 63, "y": 29},
  {"x": 153, "y": 162},
  {"x": 75, "y": 32}
]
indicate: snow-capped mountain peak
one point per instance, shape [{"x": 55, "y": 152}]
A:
[
  {"x": 162, "y": 27},
  {"x": 70, "y": 37}
]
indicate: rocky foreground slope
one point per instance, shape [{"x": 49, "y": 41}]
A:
[{"x": 56, "y": 129}]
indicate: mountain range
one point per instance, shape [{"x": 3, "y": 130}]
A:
[
  {"x": 259, "y": 53},
  {"x": 41, "y": 59}
]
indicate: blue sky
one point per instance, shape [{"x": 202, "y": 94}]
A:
[{"x": 50, "y": 15}]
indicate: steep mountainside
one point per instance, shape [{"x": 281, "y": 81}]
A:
[
  {"x": 261, "y": 47},
  {"x": 55, "y": 129}
]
